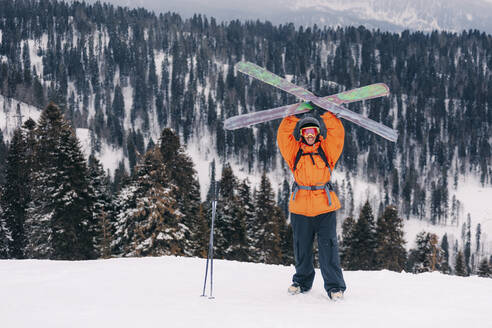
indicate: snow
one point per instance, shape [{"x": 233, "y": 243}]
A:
[
  {"x": 84, "y": 137},
  {"x": 140, "y": 292},
  {"x": 111, "y": 156},
  {"x": 34, "y": 45},
  {"x": 474, "y": 199}
]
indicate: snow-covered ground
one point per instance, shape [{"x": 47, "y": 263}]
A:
[{"x": 165, "y": 292}]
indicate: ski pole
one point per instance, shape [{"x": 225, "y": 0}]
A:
[
  {"x": 210, "y": 255},
  {"x": 214, "y": 211},
  {"x": 206, "y": 271}
]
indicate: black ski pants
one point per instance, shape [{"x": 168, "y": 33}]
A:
[{"x": 305, "y": 228}]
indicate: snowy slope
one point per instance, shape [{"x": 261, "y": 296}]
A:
[
  {"x": 471, "y": 194},
  {"x": 397, "y": 15},
  {"x": 165, "y": 292},
  {"x": 473, "y": 197}
]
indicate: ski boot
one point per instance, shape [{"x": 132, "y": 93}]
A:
[
  {"x": 335, "y": 295},
  {"x": 295, "y": 289}
]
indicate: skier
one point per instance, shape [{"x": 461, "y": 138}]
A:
[{"x": 311, "y": 146}]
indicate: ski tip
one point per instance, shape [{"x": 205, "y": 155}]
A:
[
  {"x": 242, "y": 65},
  {"x": 229, "y": 124},
  {"x": 385, "y": 86},
  {"x": 393, "y": 136}
]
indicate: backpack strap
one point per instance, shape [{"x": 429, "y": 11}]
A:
[
  {"x": 326, "y": 187},
  {"x": 298, "y": 157},
  {"x": 320, "y": 152}
]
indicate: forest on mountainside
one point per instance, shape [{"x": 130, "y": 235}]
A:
[{"x": 128, "y": 74}]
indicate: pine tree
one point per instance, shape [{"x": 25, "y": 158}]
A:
[
  {"x": 16, "y": 194},
  {"x": 5, "y": 238},
  {"x": 247, "y": 213},
  {"x": 346, "y": 245},
  {"x": 124, "y": 205},
  {"x": 267, "y": 233},
  {"x": 38, "y": 226},
  {"x": 427, "y": 256},
  {"x": 147, "y": 220},
  {"x": 3, "y": 158},
  {"x": 460, "y": 267},
  {"x": 183, "y": 175},
  {"x": 231, "y": 242},
  {"x": 445, "y": 267},
  {"x": 102, "y": 207},
  {"x": 286, "y": 238},
  {"x": 156, "y": 219},
  {"x": 284, "y": 197},
  {"x": 202, "y": 239},
  {"x": 484, "y": 269},
  {"x": 391, "y": 253},
  {"x": 364, "y": 244},
  {"x": 60, "y": 222},
  {"x": 478, "y": 235},
  {"x": 467, "y": 242}
]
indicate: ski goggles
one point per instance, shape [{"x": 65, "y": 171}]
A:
[{"x": 310, "y": 131}]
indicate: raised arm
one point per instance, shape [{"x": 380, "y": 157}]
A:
[
  {"x": 286, "y": 142},
  {"x": 335, "y": 134}
]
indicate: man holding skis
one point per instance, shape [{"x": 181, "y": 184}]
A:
[{"x": 311, "y": 146}]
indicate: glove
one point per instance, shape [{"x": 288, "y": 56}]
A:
[
  {"x": 317, "y": 112},
  {"x": 307, "y": 105}
]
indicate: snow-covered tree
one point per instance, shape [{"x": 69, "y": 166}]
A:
[
  {"x": 59, "y": 224},
  {"x": 147, "y": 219},
  {"x": 460, "y": 267},
  {"x": 247, "y": 213},
  {"x": 391, "y": 253},
  {"x": 445, "y": 267},
  {"x": 5, "y": 239},
  {"x": 231, "y": 242},
  {"x": 101, "y": 193},
  {"x": 363, "y": 247},
  {"x": 123, "y": 228},
  {"x": 158, "y": 230},
  {"x": 427, "y": 256},
  {"x": 183, "y": 175},
  {"x": 286, "y": 238},
  {"x": 346, "y": 245},
  {"x": 3, "y": 157},
  {"x": 484, "y": 269},
  {"x": 16, "y": 194},
  {"x": 284, "y": 197},
  {"x": 267, "y": 234},
  {"x": 467, "y": 252}
]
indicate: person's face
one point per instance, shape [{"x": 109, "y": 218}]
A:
[
  {"x": 310, "y": 134},
  {"x": 310, "y": 140}
]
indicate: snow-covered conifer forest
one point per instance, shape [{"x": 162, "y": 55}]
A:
[{"x": 112, "y": 135}]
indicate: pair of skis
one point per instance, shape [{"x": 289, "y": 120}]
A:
[{"x": 331, "y": 103}]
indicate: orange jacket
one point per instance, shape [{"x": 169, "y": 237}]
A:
[{"x": 312, "y": 202}]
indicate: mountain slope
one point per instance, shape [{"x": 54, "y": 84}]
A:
[
  {"x": 386, "y": 15},
  {"x": 166, "y": 291},
  {"x": 391, "y": 15},
  {"x": 124, "y": 75}
]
